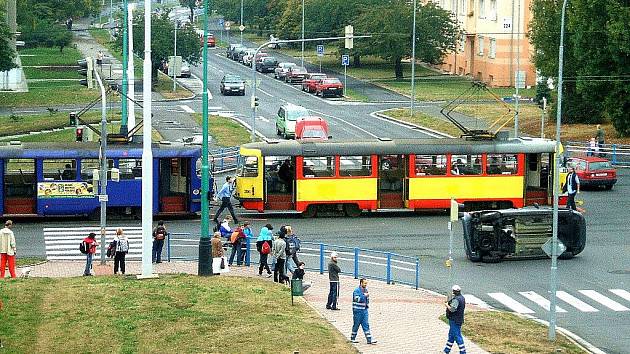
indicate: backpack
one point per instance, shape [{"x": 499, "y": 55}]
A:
[
  {"x": 111, "y": 250},
  {"x": 234, "y": 236},
  {"x": 84, "y": 247},
  {"x": 293, "y": 245},
  {"x": 265, "y": 249},
  {"x": 160, "y": 233},
  {"x": 124, "y": 245}
]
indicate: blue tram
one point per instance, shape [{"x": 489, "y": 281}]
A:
[{"x": 46, "y": 179}]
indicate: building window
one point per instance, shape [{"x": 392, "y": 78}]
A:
[
  {"x": 462, "y": 7},
  {"x": 319, "y": 167},
  {"x": 480, "y": 41},
  {"x": 493, "y": 10},
  {"x": 493, "y": 48},
  {"x": 482, "y": 9},
  {"x": 352, "y": 166},
  {"x": 430, "y": 165},
  {"x": 462, "y": 44},
  {"x": 454, "y": 6}
]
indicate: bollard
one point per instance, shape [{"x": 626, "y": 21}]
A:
[
  {"x": 389, "y": 268},
  {"x": 356, "y": 263},
  {"x": 168, "y": 246},
  {"x": 417, "y": 273},
  {"x": 248, "y": 249},
  {"x": 321, "y": 258}
]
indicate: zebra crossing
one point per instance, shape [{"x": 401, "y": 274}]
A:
[
  {"x": 585, "y": 300},
  {"x": 62, "y": 243}
]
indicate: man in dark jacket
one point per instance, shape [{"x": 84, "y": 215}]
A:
[
  {"x": 455, "y": 314},
  {"x": 333, "y": 277},
  {"x": 571, "y": 187}
]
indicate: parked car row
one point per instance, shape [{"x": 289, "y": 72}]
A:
[{"x": 317, "y": 83}]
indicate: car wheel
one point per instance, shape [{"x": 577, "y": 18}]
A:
[
  {"x": 278, "y": 131},
  {"x": 566, "y": 255},
  {"x": 609, "y": 187},
  {"x": 310, "y": 212},
  {"x": 472, "y": 256},
  {"x": 243, "y": 93}
]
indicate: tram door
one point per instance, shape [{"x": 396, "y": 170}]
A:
[
  {"x": 19, "y": 187},
  {"x": 279, "y": 182},
  {"x": 538, "y": 177},
  {"x": 392, "y": 173},
  {"x": 174, "y": 184}
]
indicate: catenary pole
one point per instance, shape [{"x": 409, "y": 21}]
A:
[
  {"x": 131, "y": 113},
  {"x": 103, "y": 160},
  {"x": 517, "y": 81},
  {"x": 553, "y": 280},
  {"x": 413, "y": 59},
  {"x": 302, "y": 33},
  {"x": 123, "y": 120},
  {"x": 241, "y": 21}
]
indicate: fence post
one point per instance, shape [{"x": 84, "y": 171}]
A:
[
  {"x": 248, "y": 249},
  {"x": 222, "y": 158},
  {"x": 389, "y": 268},
  {"x": 321, "y": 258},
  {"x": 356, "y": 263},
  {"x": 417, "y": 273},
  {"x": 614, "y": 153},
  {"x": 168, "y": 246}
]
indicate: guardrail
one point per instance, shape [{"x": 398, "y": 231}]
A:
[
  {"x": 358, "y": 262},
  {"x": 224, "y": 159},
  {"x": 618, "y": 154}
]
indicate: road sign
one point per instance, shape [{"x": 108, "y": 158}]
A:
[
  {"x": 320, "y": 50},
  {"x": 241, "y": 28},
  {"x": 547, "y": 247},
  {"x": 221, "y": 22},
  {"x": 345, "y": 60},
  {"x": 103, "y": 198},
  {"x": 227, "y": 25}
]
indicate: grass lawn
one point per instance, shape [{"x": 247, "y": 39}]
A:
[
  {"x": 225, "y": 132},
  {"x": 502, "y": 332},
  {"x": 49, "y": 56},
  {"x": 423, "y": 120},
  {"x": 355, "y": 95},
  {"x": 10, "y": 125},
  {"x": 25, "y": 261},
  {"x": 172, "y": 314},
  {"x": 165, "y": 88}
]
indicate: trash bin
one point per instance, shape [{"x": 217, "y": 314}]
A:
[{"x": 296, "y": 287}]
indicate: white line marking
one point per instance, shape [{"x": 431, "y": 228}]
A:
[
  {"x": 472, "y": 299},
  {"x": 187, "y": 109},
  {"x": 348, "y": 123},
  {"x": 621, "y": 293},
  {"x": 540, "y": 300},
  {"x": 611, "y": 304},
  {"x": 373, "y": 115},
  {"x": 575, "y": 302},
  {"x": 263, "y": 119},
  {"x": 264, "y": 92},
  {"x": 511, "y": 303}
]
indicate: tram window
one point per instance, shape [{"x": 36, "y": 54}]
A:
[
  {"x": 430, "y": 165},
  {"x": 250, "y": 167},
  {"x": 60, "y": 170},
  {"x": 88, "y": 165},
  {"x": 466, "y": 164},
  {"x": 130, "y": 168},
  {"x": 355, "y": 166},
  {"x": 19, "y": 177},
  {"x": 319, "y": 166},
  {"x": 502, "y": 164},
  {"x": 274, "y": 183}
]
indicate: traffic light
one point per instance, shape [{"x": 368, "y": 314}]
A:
[
  {"x": 73, "y": 118},
  {"x": 349, "y": 37},
  {"x": 255, "y": 102},
  {"x": 87, "y": 66},
  {"x": 79, "y": 134}
]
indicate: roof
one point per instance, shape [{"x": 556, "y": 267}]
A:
[
  {"x": 71, "y": 150},
  {"x": 401, "y": 146},
  {"x": 590, "y": 158}
]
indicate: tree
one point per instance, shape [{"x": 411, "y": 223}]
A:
[
  {"x": 162, "y": 34},
  {"x": 191, "y": 4},
  {"x": 596, "y": 58},
  {"x": 7, "y": 54}
]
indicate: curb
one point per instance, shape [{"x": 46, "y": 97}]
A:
[{"x": 411, "y": 125}]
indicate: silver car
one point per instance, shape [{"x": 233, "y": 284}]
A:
[{"x": 282, "y": 70}]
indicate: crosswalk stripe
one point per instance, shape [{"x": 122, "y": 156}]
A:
[
  {"x": 611, "y": 304},
  {"x": 575, "y": 302},
  {"x": 472, "y": 299},
  {"x": 540, "y": 300},
  {"x": 621, "y": 293},
  {"x": 510, "y": 303},
  {"x": 187, "y": 109}
]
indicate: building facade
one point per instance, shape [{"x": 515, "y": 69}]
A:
[{"x": 494, "y": 47}]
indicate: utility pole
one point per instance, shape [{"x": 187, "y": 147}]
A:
[
  {"x": 131, "y": 113},
  {"x": 241, "y": 21},
  {"x": 302, "y": 33},
  {"x": 413, "y": 59},
  {"x": 102, "y": 155},
  {"x": 518, "y": 67},
  {"x": 123, "y": 124},
  {"x": 175, "y": 56}
]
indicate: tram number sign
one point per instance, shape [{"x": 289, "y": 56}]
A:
[{"x": 103, "y": 197}]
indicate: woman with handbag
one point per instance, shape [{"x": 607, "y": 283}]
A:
[{"x": 218, "y": 261}]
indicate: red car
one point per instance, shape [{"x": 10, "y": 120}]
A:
[
  {"x": 212, "y": 42},
  {"x": 310, "y": 82},
  {"x": 593, "y": 171},
  {"x": 329, "y": 86}
]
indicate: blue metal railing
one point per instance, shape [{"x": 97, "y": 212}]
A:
[
  {"x": 224, "y": 159},
  {"x": 357, "y": 262},
  {"x": 618, "y": 154}
]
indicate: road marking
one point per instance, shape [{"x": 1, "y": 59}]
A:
[
  {"x": 511, "y": 303},
  {"x": 611, "y": 304},
  {"x": 187, "y": 109},
  {"x": 621, "y": 293},
  {"x": 540, "y": 300},
  {"x": 345, "y": 121},
  {"x": 575, "y": 302},
  {"x": 264, "y": 92},
  {"x": 472, "y": 299},
  {"x": 263, "y": 119}
]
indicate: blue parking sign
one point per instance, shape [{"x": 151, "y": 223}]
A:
[
  {"x": 345, "y": 60},
  {"x": 320, "y": 50},
  {"x": 221, "y": 21}
]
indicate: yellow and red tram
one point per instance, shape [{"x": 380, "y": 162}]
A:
[{"x": 378, "y": 174}]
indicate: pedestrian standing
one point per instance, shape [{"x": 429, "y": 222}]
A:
[
  {"x": 333, "y": 278},
  {"x": 7, "y": 249},
  {"x": 264, "y": 243},
  {"x": 571, "y": 187},
  {"x": 159, "y": 234},
  {"x": 455, "y": 314},
  {"x": 237, "y": 238},
  {"x": 217, "y": 252},
  {"x": 225, "y": 194},
  {"x": 592, "y": 148},
  {"x": 247, "y": 240},
  {"x": 122, "y": 248},
  {"x": 90, "y": 246},
  {"x": 99, "y": 59},
  {"x": 360, "y": 305},
  {"x": 279, "y": 251},
  {"x": 293, "y": 247},
  {"x": 599, "y": 136}
]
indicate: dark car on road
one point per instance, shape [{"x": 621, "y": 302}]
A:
[
  {"x": 593, "y": 171},
  {"x": 232, "y": 50},
  {"x": 231, "y": 84},
  {"x": 492, "y": 235},
  {"x": 266, "y": 64}
]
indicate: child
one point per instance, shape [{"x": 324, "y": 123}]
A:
[{"x": 299, "y": 274}]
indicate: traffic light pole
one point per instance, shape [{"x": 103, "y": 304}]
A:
[
  {"x": 103, "y": 159},
  {"x": 123, "y": 123}
]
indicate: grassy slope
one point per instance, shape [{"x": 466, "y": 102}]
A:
[
  {"x": 31, "y": 123},
  {"x": 225, "y": 132},
  {"x": 183, "y": 314}
]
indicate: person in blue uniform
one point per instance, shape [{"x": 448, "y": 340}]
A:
[
  {"x": 455, "y": 314},
  {"x": 360, "y": 304}
]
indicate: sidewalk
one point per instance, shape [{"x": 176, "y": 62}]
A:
[{"x": 402, "y": 319}]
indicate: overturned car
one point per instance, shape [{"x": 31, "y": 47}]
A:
[{"x": 492, "y": 235}]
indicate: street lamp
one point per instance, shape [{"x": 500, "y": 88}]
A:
[
  {"x": 302, "y": 33},
  {"x": 413, "y": 59},
  {"x": 205, "y": 267},
  {"x": 123, "y": 124},
  {"x": 553, "y": 280},
  {"x": 175, "y": 55},
  {"x": 241, "y": 21}
]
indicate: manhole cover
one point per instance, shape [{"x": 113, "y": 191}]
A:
[{"x": 620, "y": 271}]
